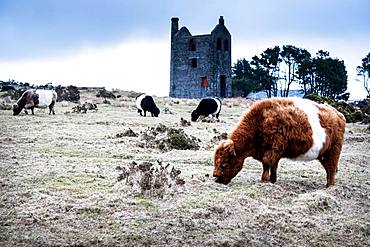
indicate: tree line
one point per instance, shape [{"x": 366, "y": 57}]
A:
[
  {"x": 276, "y": 69},
  {"x": 14, "y": 89}
]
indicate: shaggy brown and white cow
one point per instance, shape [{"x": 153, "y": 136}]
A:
[
  {"x": 32, "y": 98},
  {"x": 272, "y": 129}
]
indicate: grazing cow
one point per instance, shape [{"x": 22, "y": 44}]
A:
[
  {"x": 146, "y": 103},
  {"x": 272, "y": 129},
  {"x": 207, "y": 106},
  {"x": 32, "y": 98}
]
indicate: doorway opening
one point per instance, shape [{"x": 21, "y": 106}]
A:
[{"x": 223, "y": 86}]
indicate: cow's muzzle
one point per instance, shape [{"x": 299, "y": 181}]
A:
[{"x": 222, "y": 180}]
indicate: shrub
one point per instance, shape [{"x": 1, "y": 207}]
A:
[{"x": 70, "y": 93}]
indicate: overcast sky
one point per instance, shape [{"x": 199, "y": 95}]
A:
[{"x": 126, "y": 43}]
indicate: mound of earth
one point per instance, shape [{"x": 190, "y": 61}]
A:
[
  {"x": 210, "y": 120},
  {"x": 184, "y": 122},
  {"x": 84, "y": 108},
  {"x": 5, "y": 106},
  {"x": 150, "y": 179},
  {"x": 165, "y": 139},
  {"x": 129, "y": 133}
]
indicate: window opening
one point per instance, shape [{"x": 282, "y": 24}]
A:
[
  {"x": 192, "y": 46},
  {"x": 218, "y": 45},
  {"x": 226, "y": 45},
  {"x": 223, "y": 86},
  {"x": 194, "y": 62}
]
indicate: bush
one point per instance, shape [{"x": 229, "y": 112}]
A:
[
  {"x": 106, "y": 94},
  {"x": 352, "y": 113},
  {"x": 70, "y": 93}
]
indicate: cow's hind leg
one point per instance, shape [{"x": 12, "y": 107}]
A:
[
  {"x": 330, "y": 162},
  {"x": 51, "y": 108},
  {"x": 139, "y": 111},
  {"x": 32, "y": 112}
]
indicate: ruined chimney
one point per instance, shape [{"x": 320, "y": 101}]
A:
[
  {"x": 221, "y": 21},
  {"x": 174, "y": 25}
]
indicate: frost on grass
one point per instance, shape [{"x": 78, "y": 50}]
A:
[{"x": 151, "y": 180}]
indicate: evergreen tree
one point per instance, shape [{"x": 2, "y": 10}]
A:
[
  {"x": 322, "y": 75},
  {"x": 244, "y": 79},
  {"x": 330, "y": 76}
]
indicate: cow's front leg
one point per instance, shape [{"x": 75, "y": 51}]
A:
[
  {"x": 139, "y": 111},
  {"x": 273, "y": 175},
  {"x": 32, "y": 110},
  {"x": 25, "y": 111},
  {"x": 270, "y": 162},
  {"x": 144, "y": 113},
  {"x": 266, "y": 174}
]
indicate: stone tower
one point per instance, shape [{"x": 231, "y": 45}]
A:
[{"x": 200, "y": 64}]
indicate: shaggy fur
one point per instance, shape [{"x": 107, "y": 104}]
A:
[
  {"x": 276, "y": 128},
  {"x": 35, "y": 98}
]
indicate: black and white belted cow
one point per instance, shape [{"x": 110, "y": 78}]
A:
[
  {"x": 146, "y": 103},
  {"x": 206, "y": 107},
  {"x": 38, "y": 98}
]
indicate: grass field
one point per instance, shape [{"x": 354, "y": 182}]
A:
[{"x": 59, "y": 185}]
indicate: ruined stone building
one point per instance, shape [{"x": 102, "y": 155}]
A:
[{"x": 200, "y": 64}]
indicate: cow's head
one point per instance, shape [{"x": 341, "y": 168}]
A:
[
  {"x": 226, "y": 163},
  {"x": 156, "y": 111},
  {"x": 194, "y": 116},
  {"x": 16, "y": 109}
]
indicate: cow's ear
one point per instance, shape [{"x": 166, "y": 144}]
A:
[{"x": 228, "y": 146}]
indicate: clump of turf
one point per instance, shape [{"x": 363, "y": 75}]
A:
[
  {"x": 84, "y": 108},
  {"x": 220, "y": 137},
  {"x": 149, "y": 179},
  {"x": 128, "y": 133},
  {"x": 177, "y": 139},
  {"x": 165, "y": 139},
  {"x": 5, "y": 106}
]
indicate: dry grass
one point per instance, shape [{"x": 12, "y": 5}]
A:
[{"x": 58, "y": 179}]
